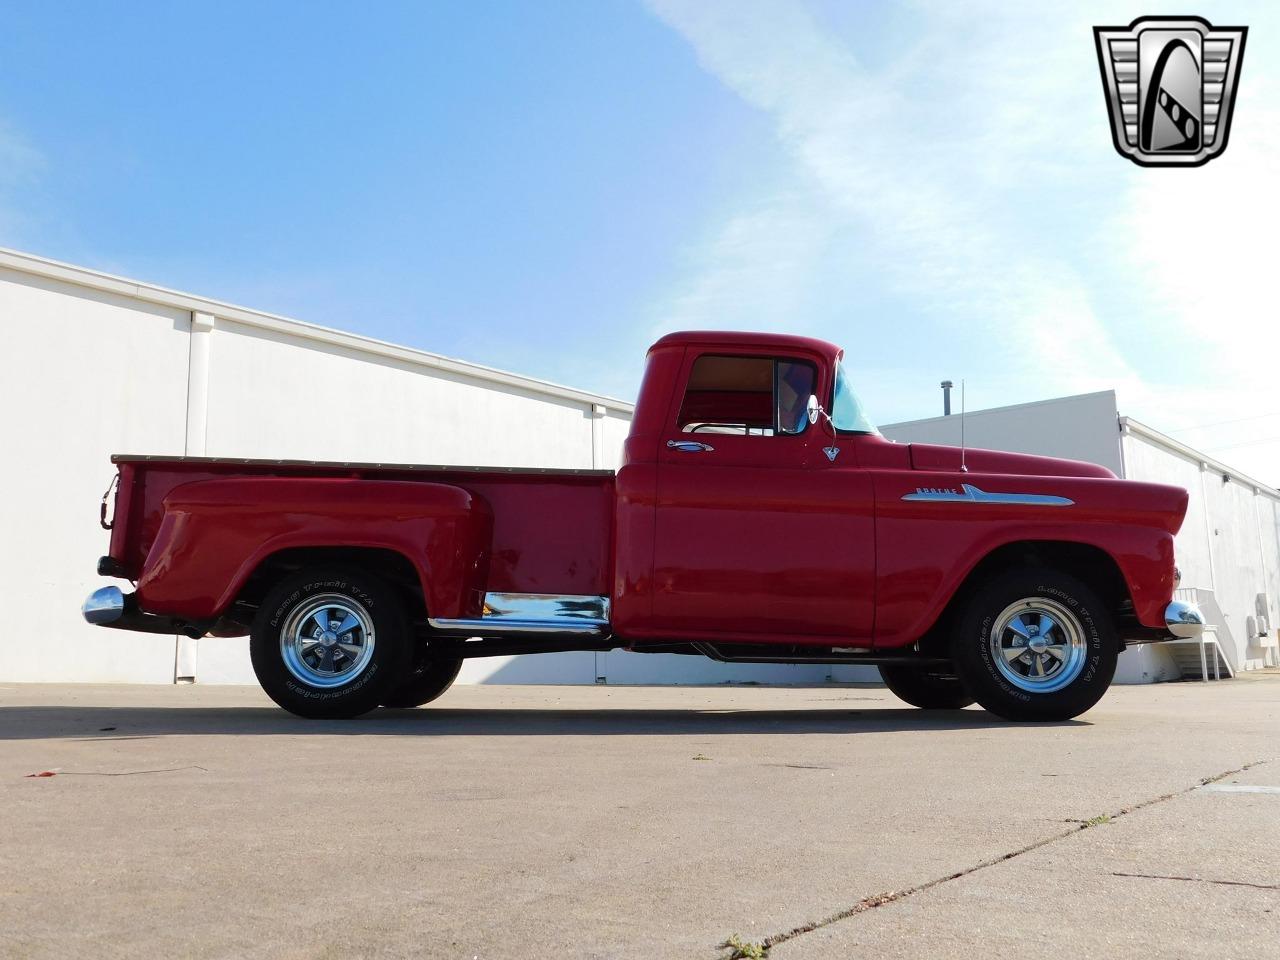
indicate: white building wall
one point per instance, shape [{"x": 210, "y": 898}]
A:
[
  {"x": 1078, "y": 428},
  {"x": 98, "y": 365},
  {"x": 1228, "y": 543},
  {"x": 1268, "y": 509},
  {"x": 280, "y": 396},
  {"x": 86, "y": 374}
]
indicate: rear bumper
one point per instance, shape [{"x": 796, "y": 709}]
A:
[
  {"x": 1184, "y": 620},
  {"x": 112, "y": 607}
]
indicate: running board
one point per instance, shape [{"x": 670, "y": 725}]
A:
[
  {"x": 532, "y": 614},
  {"x": 867, "y": 657}
]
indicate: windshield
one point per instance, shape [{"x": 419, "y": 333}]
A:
[{"x": 846, "y": 412}]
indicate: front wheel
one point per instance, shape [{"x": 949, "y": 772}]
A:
[
  {"x": 925, "y": 689},
  {"x": 1036, "y": 644},
  {"x": 329, "y": 643}
]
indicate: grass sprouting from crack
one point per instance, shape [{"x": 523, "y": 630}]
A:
[
  {"x": 744, "y": 949},
  {"x": 1096, "y": 821}
]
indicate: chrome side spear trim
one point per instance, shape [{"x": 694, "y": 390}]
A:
[{"x": 968, "y": 493}]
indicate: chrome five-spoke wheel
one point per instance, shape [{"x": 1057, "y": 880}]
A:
[
  {"x": 312, "y": 641},
  {"x": 327, "y": 641},
  {"x": 1038, "y": 645}
]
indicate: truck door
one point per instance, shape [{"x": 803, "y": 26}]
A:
[{"x": 758, "y": 533}]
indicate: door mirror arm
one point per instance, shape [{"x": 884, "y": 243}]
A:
[{"x": 815, "y": 412}]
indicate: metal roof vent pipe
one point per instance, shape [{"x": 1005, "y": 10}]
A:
[{"x": 946, "y": 397}]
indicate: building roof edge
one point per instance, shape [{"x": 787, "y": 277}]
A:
[{"x": 151, "y": 293}]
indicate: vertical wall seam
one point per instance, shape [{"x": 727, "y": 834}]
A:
[
  {"x": 198, "y": 383},
  {"x": 1208, "y": 526},
  {"x": 1267, "y": 654},
  {"x": 1124, "y": 432},
  {"x": 194, "y": 445},
  {"x": 597, "y": 414}
]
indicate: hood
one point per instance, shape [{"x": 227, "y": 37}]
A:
[{"x": 928, "y": 456}]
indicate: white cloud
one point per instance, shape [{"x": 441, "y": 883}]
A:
[
  {"x": 20, "y": 165},
  {"x": 970, "y": 177},
  {"x": 763, "y": 257},
  {"x": 1200, "y": 248},
  {"x": 1203, "y": 248},
  {"x": 881, "y": 156}
]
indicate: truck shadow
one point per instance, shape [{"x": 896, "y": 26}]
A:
[{"x": 122, "y": 723}]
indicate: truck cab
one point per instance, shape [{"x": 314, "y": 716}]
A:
[
  {"x": 758, "y": 516},
  {"x": 755, "y": 528}
]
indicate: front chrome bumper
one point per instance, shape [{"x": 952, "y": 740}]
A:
[{"x": 1184, "y": 620}]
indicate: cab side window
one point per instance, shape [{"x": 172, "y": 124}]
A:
[{"x": 747, "y": 396}]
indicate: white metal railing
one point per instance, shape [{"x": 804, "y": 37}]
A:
[{"x": 1208, "y": 640}]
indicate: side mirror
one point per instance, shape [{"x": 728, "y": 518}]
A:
[{"x": 815, "y": 411}]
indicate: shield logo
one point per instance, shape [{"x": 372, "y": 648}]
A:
[{"x": 1170, "y": 84}]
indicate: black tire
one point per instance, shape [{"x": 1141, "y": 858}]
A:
[
  {"x": 373, "y": 668},
  {"x": 1078, "y": 658},
  {"x": 926, "y": 689},
  {"x": 428, "y": 680}
]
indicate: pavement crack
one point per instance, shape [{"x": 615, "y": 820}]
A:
[
  {"x": 883, "y": 899},
  {"x": 1223, "y": 883},
  {"x": 120, "y": 773}
]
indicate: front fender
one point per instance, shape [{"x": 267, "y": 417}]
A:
[
  {"x": 914, "y": 594},
  {"x": 215, "y": 533},
  {"x": 930, "y": 535}
]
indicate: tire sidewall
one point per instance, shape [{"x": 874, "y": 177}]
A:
[
  {"x": 973, "y": 658},
  {"x": 428, "y": 681},
  {"x": 926, "y": 689},
  {"x": 362, "y": 694}
]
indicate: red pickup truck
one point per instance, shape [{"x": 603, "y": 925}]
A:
[{"x": 758, "y": 517}]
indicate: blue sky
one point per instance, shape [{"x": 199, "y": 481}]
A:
[{"x": 547, "y": 187}]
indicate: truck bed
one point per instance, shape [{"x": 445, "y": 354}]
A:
[{"x": 552, "y": 529}]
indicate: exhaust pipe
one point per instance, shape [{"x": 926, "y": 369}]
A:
[
  {"x": 104, "y": 606},
  {"x": 112, "y": 607}
]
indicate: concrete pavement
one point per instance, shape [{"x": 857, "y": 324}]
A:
[{"x": 614, "y": 821}]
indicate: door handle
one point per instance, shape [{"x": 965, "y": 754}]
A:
[{"x": 689, "y": 446}]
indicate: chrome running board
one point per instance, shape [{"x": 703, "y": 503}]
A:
[{"x": 532, "y": 614}]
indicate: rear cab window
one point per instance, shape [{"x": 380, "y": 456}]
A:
[{"x": 747, "y": 396}]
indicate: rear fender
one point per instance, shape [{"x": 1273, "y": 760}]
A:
[{"x": 215, "y": 533}]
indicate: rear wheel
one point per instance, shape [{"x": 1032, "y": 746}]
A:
[
  {"x": 329, "y": 643},
  {"x": 929, "y": 690},
  {"x": 1036, "y": 644},
  {"x": 427, "y": 681}
]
